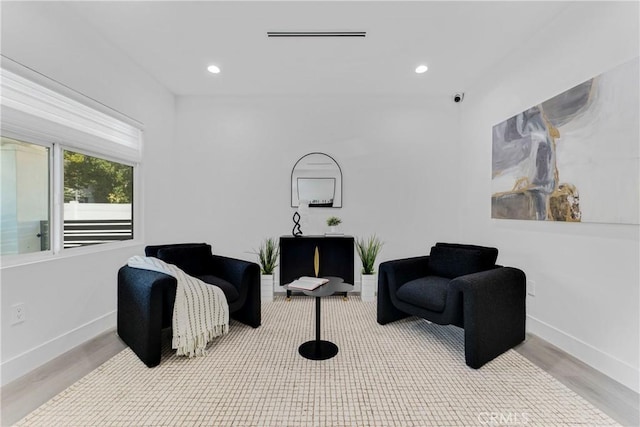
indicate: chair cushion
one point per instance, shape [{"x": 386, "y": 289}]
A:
[
  {"x": 489, "y": 255},
  {"x": 193, "y": 260},
  {"x": 229, "y": 290},
  {"x": 452, "y": 262},
  {"x": 428, "y": 292},
  {"x": 152, "y": 250}
]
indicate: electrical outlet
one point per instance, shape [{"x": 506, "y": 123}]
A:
[
  {"x": 531, "y": 288},
  {"x": 18, "y": 314}
]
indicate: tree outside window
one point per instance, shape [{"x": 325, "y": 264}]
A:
[
  {"x": 89, "y": 179},
  {"x": 98, "y": 200}
]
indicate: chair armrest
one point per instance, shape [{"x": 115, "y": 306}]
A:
[
  {"x": 238, "y": 272},
  {"x": 245, "y": 276},
  {"x": 494, "y": 312},
  {"x": 392, "y": 275},
  {"x": 498, "y": 279},
  {"x": 141, "y": 283},
  {"x": 398, "y": 272},
  {"x": 141, "y": 307}
]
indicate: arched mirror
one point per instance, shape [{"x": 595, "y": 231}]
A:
[{"x": 317, "y": 179}]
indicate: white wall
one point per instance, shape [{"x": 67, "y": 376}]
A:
[
  {"x": 72, "y": 299},
  {"x": 587, "y": 299},
  {"x": 396, "y": 153}
]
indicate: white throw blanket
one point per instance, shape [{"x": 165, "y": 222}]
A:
[{"x": 200, "y": 313}]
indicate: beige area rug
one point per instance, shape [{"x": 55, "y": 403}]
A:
[{"x": 408, "y": 373}]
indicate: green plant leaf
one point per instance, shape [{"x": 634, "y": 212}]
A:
[
  {"x": 332, "y": 221},
  {"x": 368, "y": 250},
  {"x": 268, "y": 255}
]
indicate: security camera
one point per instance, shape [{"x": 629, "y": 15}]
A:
[{"x": 458, "y": 97}]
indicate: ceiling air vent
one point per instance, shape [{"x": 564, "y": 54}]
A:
[{"x": 316, "y": 33}]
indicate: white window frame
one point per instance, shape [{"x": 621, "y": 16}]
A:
[{"x": 36, "y": 114}]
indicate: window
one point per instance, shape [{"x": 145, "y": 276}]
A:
[
  {"x": 67, "y": 169},
  {"x": 98, "y": 200},
  {"x": 25, "y": 197}
]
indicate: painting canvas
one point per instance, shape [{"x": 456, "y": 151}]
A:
[{"x": 574, "y": 157}]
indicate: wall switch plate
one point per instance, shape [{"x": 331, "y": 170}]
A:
[
  {"x": 18, "y": 314},
  {"x": 531, "y": 288}
]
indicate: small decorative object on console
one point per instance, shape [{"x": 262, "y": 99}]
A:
[
  {"x": 303, "y": 209},
  {"x": 333, "y": 222},
  {"x": 296, "y": 225}
]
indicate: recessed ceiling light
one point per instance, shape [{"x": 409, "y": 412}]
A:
[
  {"x": 213, "y": 69},
  {"x": 421, "y": 69}
]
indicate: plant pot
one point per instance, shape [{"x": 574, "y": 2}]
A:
[
  {"x": 266, "y": 287},
  {"x": 369, "y": 283}
]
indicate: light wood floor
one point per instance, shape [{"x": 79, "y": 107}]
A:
[
  {"x": 22, "y": 396},
  {"x": 29, "y": 392},
  {"x": 614, "y": 399}
]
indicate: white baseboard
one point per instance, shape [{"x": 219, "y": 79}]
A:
[
  {"x": 609, "y": 365},
  {"x": 31, "y": 359}
]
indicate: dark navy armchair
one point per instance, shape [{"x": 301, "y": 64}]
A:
[
  {"x": 146, "y": 298},
  {"x": 458, "y": 285}
]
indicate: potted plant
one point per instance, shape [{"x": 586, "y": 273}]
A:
[
  {"x": 333, "y": 222},
  {"x": 267, "y": 258},
  {"x": 368, "y": 250}
]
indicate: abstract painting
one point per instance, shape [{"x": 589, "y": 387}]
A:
[{"x": 574, "y": 157}]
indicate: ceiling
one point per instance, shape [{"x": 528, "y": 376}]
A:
[{"x": 459, "y": 41}]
